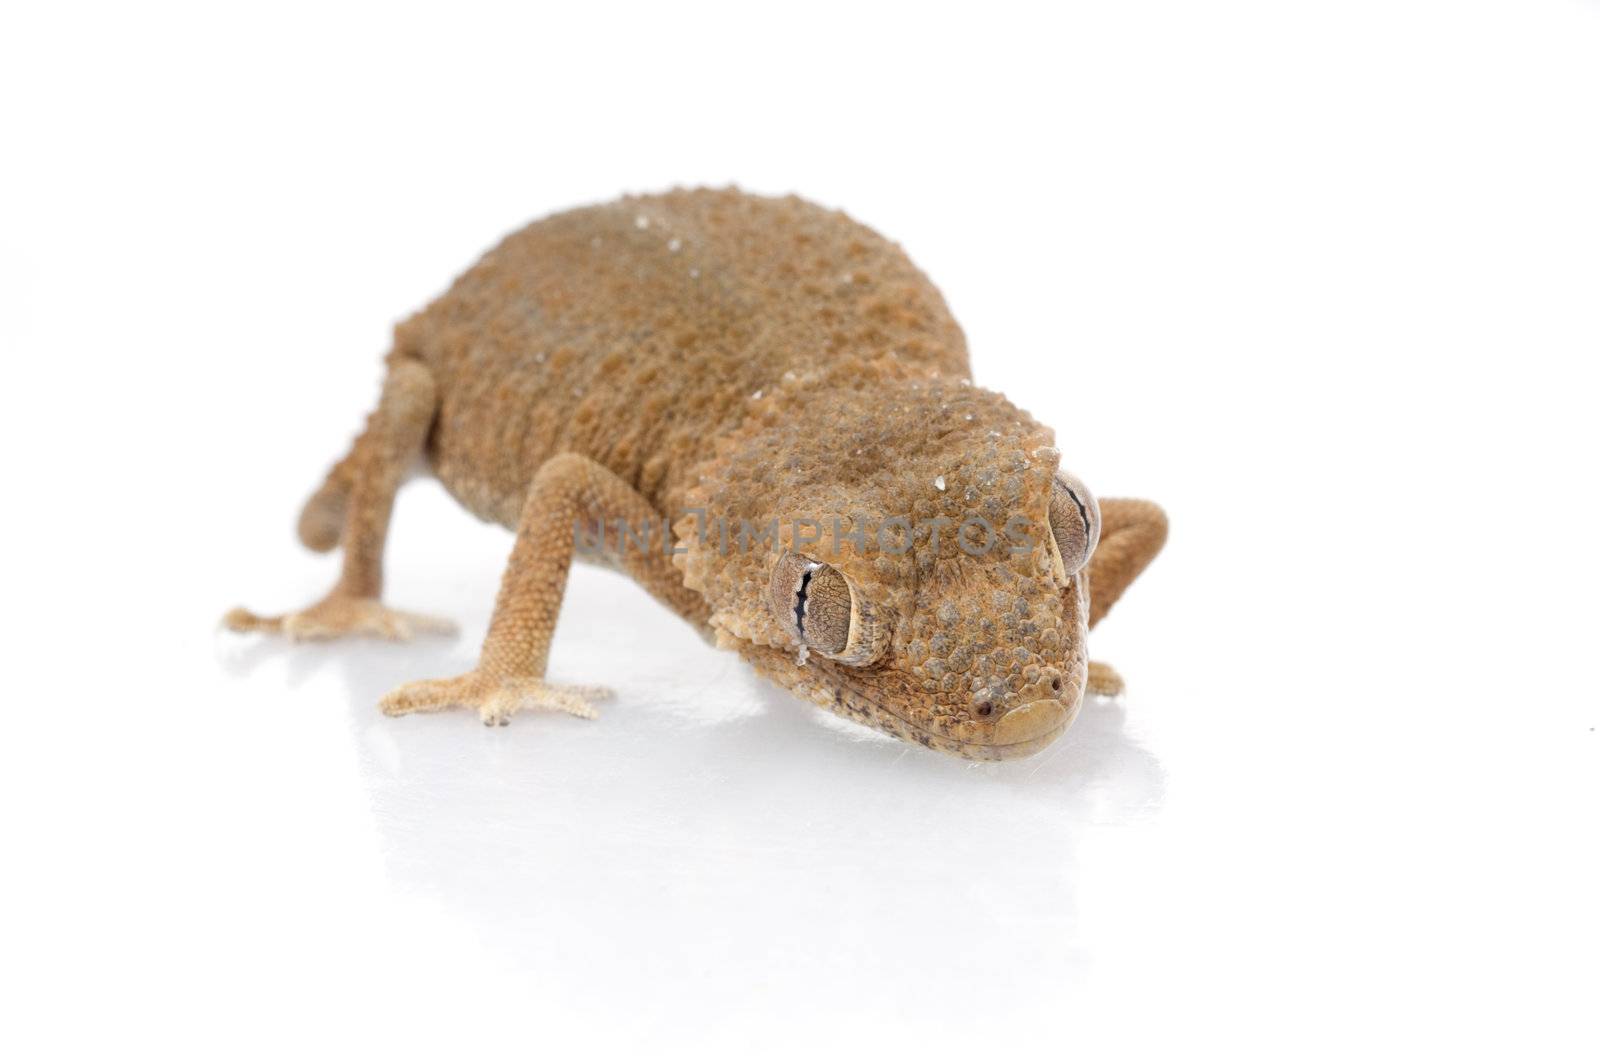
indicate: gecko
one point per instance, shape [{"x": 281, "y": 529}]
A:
[{"x": 762, "y": 412}]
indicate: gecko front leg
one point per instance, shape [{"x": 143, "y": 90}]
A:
[
  {"x": 570, "y": 492},
  {"x": 1132, "y": 533}
]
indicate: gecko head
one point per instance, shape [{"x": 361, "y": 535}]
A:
[{"x": 908, "y": 554}]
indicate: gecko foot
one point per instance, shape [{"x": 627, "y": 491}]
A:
[
  {"x": 496, "y": 700},
  {"x": 337, "y": 616},
  {"x": 1104, "y": 680}
]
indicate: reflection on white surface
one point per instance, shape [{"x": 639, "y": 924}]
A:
[{"x": 710, "y": 826}]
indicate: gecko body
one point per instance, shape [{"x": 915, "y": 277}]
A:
[{"x": 761, "y": 411}]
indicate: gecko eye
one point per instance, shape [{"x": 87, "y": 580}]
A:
[
  {"x": 817, "y": 605},
  {"x": 1074, "y": 522}
]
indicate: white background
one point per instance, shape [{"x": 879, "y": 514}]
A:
[{"x": 1321, "y": 278}]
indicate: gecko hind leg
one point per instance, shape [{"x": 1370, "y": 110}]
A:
[
  {"x": 321, "y": 523},
  {"x": 355, "y": 503},
  {"x": 569, "y": 491}
]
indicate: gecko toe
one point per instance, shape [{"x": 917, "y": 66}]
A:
[
  {"x": 1104, "y": 681},
  {"x": 243, "y": 620},
  {"x": 338, "y": 616},
  {"x": 495, "y": 700}
]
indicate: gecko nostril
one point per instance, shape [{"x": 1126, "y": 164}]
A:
[
  {"x": 1055, "y": 684},
  {"x": 986, "y": 708}
]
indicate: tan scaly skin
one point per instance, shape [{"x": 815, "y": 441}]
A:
[{"x": 717, "y": 362}]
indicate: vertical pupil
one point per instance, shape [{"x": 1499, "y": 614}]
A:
[
  {"x": 800, "y": 600},
  {"x": 1083, "y": 511}
]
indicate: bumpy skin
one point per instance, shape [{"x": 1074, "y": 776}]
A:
[
  {"x": 634, "y": 333},
  {"x": 749, "y": 360}
]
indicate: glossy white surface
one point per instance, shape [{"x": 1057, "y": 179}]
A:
[{"x": 1320, "y": 279}]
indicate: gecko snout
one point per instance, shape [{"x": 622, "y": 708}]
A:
[{"x": 1029, "y": 728}]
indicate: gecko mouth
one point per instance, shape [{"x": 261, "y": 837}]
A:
[
  {"x": 1034, "y": 725},
  {"x": 1021, "y": 732}
]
